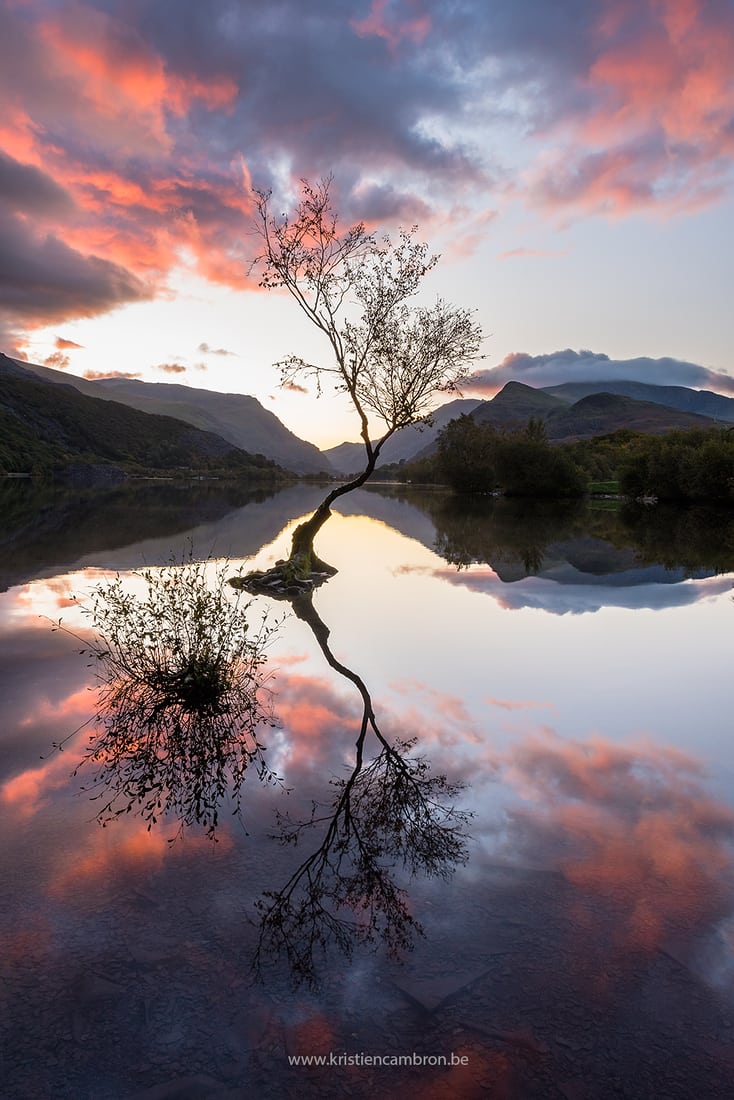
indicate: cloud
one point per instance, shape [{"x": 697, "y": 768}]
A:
[
  {"x": 529, "y": 253},
  {"x": 206, "y": 350},
  {"x": 130, "y": 133},
  {"x": 516, "y": 704},
  {"x": 62, "y": 344},
  {"x": 382, "y": 22},
  {"x": 25, "y": 187},
  {"x": 292, "y": 387},
  {"x": 587, "y": 366},
  {"x": 58, "y": 360},
  {"x": 171, "y": 368},
  {"x": 141, "y": 140},
  {"x": 42, "y": 277},
  {"x": 96, "y": 375}
]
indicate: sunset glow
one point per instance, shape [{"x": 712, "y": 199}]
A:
[{"x": 577, "y": 146}]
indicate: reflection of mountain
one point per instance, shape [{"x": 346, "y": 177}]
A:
[
  {"x": 566, "y": 557},
  {"x": 564, "y": 545},
  {"x": 545, "y": 594},
  {"x": 47, "y": 529},
  {"x": 591, "y": 560},
  {"x": 573, "y": 543}
]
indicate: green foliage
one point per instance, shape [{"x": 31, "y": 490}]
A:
[
  {"x": 695, "y": 465},
  {"x": 600, "y": 488},
  {"x": 182, "y": 696},
  {"x": 527, "y": 467},
  {"x": 680, "y": 465},
  {"x": 467, "y": 455},
  {"x": 476, "y": 457}
]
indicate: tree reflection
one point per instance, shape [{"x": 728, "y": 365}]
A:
[
  {"x": 518, "y": 538},
  {"x": 390, "y": 814},
  {"x": 183, "y": 706}
]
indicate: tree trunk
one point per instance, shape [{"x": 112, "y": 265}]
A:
[
  {"x": 302, "y": 555},
  {"x": 302, "y": 558},
  {"x": 304, "y": 568}
]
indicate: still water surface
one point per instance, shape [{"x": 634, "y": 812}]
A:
[{"x": 570, "y": 668}]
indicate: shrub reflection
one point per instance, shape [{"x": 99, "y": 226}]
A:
[{"x": 182, "y": 698}]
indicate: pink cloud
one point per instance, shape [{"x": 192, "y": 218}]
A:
[
  {"x": 170, "y": 368},
  {"x": 379, "y": 24},
  {"x": 652, "y": 129},
  {"x": 57, "y": 360},
  {"x": 516, "y": 704},
  {"x": 97, "y": 375}
]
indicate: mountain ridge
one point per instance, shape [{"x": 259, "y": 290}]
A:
[
  {"x": 238, "y": 418},
  {"x": 46, "y": 426}
]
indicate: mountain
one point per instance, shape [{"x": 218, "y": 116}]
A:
[
  {"x": 603, "y": 413},
  {"x": 47, "y": 426},
  {"x": 516, "y": 403},
  {"x": 239, "y": 419},
  {"x": 349, "y": 458},
  {"x": 598, "y": 413},
  {"x": 703, "y": 402}
]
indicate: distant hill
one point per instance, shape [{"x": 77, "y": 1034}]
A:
[
  {"x": 598, "y": 413},
  {"x": 703, "y": 402},
  {"x": 47, "y": 426},
  {"x": 516, "y": 403},
  {"x": 349, "y": 458},
  {"x": 239, "y": 419}
]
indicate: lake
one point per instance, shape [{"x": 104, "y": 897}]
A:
[{"x": 566, "y": 672}]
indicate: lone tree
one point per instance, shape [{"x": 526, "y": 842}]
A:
[{"x": 389, "y": 356}]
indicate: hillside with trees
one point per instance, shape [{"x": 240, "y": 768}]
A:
[
  {"x": 476, "y": 457},
  {"x": 48, "y": 428}
]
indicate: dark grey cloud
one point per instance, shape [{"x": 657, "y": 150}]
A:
[
  {"x": 589, "y": 366},
  {"x": 25, "y": 187},
  {"x": 316, "y": 96},
  {"x": 44, "y": 279}
]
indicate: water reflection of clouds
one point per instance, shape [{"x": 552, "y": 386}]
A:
[
  {"x": 631, "y": 824},
  {"x": 558, "y": 599},
  {"x": 105, "y": 863}
]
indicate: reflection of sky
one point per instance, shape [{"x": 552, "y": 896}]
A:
[
  {"x": 578, "y": 593},
  {"x": 596, "y": 748}
]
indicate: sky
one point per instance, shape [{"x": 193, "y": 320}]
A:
[{"x": 572, "y": 162}]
